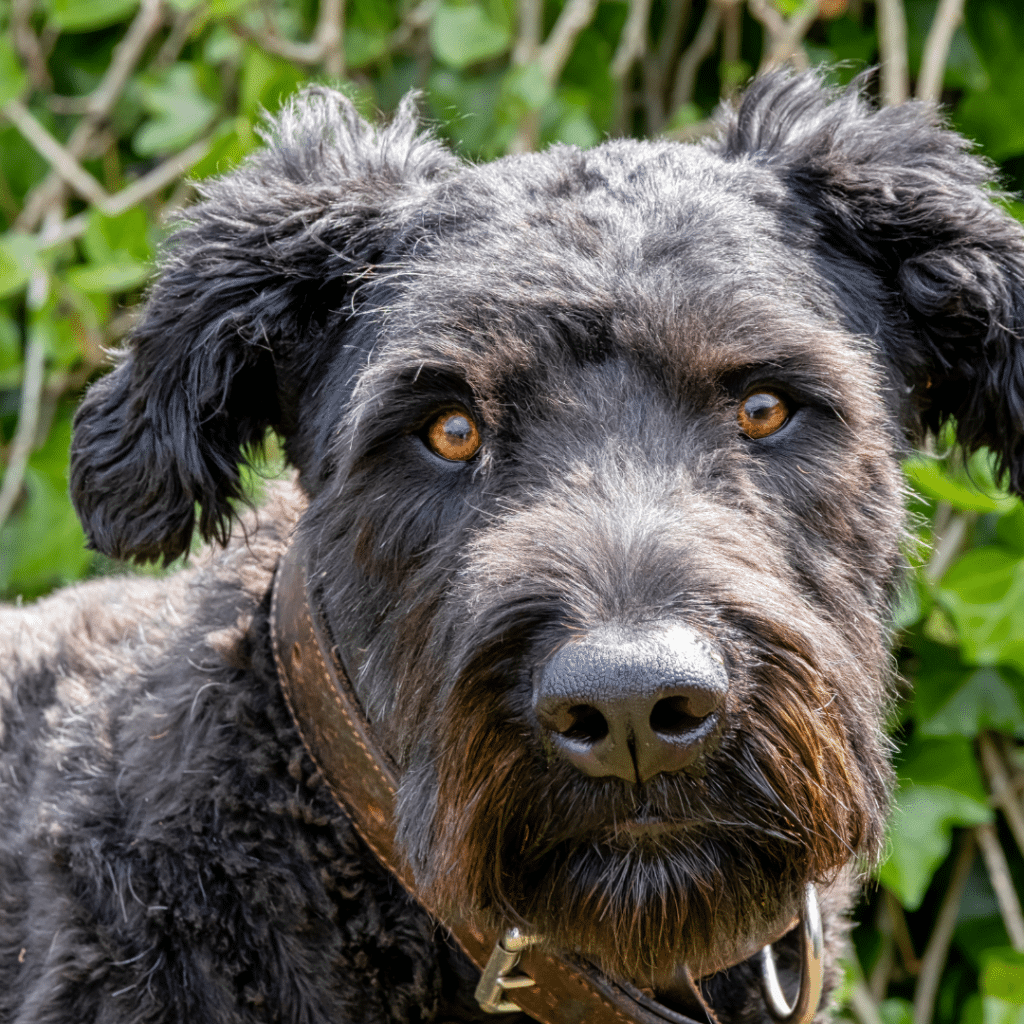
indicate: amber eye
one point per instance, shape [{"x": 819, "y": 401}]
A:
[
  {"x": 761, "y": 414},
  {"x": 453, "y": 435}
]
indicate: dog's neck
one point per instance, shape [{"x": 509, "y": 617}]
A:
[{"x": 517, "y": 972}]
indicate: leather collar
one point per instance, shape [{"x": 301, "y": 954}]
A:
[{"x": 517, "y": 972}]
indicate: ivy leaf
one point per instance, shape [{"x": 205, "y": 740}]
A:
[
  {"x": 13, "y": 79},
  {"x": 121, "y": 273},
  {"x": 1003, "y": 976},
  {"x": 984, "y": 594},
  {"x": 984, "y": 699},
  {"x": 940, "y": 787},
  {"x": 87, "y": 15},
  {"x": 44, "y": 544},
  {"x": 465, "y": 35},
  {"x": 179, "y": 111},
  {"x": 17, "y": 261},
  {"x": 930, "y": 479}
]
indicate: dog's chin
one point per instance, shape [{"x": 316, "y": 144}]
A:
[
  {"x": 644, "y": 931},
  {"x": 646, "y": 898}
]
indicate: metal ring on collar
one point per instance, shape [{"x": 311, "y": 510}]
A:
[{"x": 805, "y": 1006}]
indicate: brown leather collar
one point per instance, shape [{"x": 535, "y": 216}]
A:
[{"x": 517, "y": 973}]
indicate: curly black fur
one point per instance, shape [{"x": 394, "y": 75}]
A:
[{"x": 167, "y": 851}]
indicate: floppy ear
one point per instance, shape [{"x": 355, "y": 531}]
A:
[
  {"x": 900, "y": 193},
  {"x": 252, "y": 296}
]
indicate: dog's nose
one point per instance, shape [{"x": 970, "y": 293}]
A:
[{"x": 632, "y": 702}]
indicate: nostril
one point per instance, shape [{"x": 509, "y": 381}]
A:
[
  {"x": 675, "y": 716},
  {"x": 583, "y": 722}
]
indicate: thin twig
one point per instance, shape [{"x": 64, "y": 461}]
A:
[
  {"x": 633, "y": 41},
  {"x": 149, "y": 184},
  {"x": 934, "y": 959},
  {"x": 693, "y": 56},
  {"x": 527, "y": 46},
  {"x": 1003, "y": 796},
  {"x": 784, "y": 36},
  {"x": 881, "y": 972},
  {"x": 550, "y": 56},
  {"x": 127, "y": 54},
  {"x": 949, "y": 542},
  {"x": 901, "y": 934},
  {"x": 892, "y": 49},
  {"x": 530, "y": 27},
  {"x": 1002, "y": 883},
  {"x": 27, "y": 43},
  {"x": 28, "y": 420},
  {"x": 69, "y": 169},
  {"x": 325, "y": 46},
  {"x": 157, "y": 179},
  {"x": 632, "y": 47},
  {"x": 416, "y": 20},
  {"x": 936, "y": 49},
  {"x": 554, "y": 52},
  {"x": 863, "y": 1006},
  {"x": 732, "y": 17},
  {"x": 658, "y": 64},
  {"x": 25, "y": 434},
  {"x": 181, "y": 29}
]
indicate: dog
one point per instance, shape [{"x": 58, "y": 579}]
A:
[{"x": 600, "y": 520}]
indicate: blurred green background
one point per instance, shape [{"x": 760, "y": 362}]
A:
[{"x": 111, "y": 107}]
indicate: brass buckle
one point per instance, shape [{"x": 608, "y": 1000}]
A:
[{"x": 496, "y": 979}]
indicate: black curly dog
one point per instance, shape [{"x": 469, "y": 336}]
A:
[{"x": 597, "y": 459}]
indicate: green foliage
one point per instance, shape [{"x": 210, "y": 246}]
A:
[{"x": 202, "y": 80}]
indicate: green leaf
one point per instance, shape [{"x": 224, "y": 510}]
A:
[
  {"x": 684, "y": 116},
  {"x": 231, "y": 143},
  {"x": 179, "y": 111},
  {"x": 994, "y": 115},
  {"x": 10, "y": 353},
  {"x": 527, "y": 88},
  {"x": 1003, "y": 976},
  {"x": 984, "y": 594},
  {"x": 364, "y": 46},
  {"x": 128, "y": 233},
  {"x": 266, "y": 82},
  {"x": 465, "y": 35},
  {"x": 122, "y": 273},
  {"x": 44, "y": 545},
  {"x": 220, "y": 9},
  {"x": 87, "y": 15},
  {"x": 979, "y": 700},
  {"x": 13, "y": 80},
  {"x": 931, "y": 478},
  {"x": 940, "y": 788},
  {"x": 17, "y": 261},
  {"x": 896, "y": 1011}
]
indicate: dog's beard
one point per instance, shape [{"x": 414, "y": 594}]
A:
[{"x": 642, "y": 879}]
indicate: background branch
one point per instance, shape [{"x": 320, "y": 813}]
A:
[
  {"x": 936, "y": 49},
  {"x": 892, "y": 48},
  {"x": 1002, "y": 883}
]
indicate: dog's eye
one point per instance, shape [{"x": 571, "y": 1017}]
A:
[
  {"x": 454, "y": 436},
  {"x": 761, "y": 414}
]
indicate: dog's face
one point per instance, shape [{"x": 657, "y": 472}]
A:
[{"x": 602, "y": 452}]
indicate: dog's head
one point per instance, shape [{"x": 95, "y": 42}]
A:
[{"x": 602, "y": 456}]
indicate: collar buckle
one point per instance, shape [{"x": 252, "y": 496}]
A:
[{"x": 497, "y": 977}]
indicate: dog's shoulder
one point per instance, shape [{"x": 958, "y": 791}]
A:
[{"x": 74, "y": 664}]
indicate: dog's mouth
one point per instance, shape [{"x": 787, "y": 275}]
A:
[{"x": 646, "y": 827}]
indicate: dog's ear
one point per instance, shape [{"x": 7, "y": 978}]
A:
[
  {"x": 252, "y": 296},
  {"x": 899, "y": 192}
]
